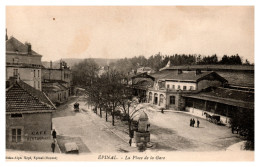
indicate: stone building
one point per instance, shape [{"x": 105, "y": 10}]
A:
[
  {"x": 169, "y": 87},
  {"x": 28, "y": 118},
  {"x": 59, "y": 73},
  {"x": 23, "y": 63},
  {"x": 57, "y": 91}
]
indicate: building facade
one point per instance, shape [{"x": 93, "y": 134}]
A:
[
  {"x": 56, "y": 91},
  {"x": 169, "y": 87},
  {"x": 23, "y": 63},
  {"x": 28, "y": 117},
  {"x": 62, "y": 74}
]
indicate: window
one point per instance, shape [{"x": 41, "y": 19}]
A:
[
  {"x": 15, "y": 72},
  {"x": 15, "y": 60},
  {"x": 34, "y": 84},
  {"x": 168, "y": 86},
  {"x": 16, "y": 135},
  {"x": 179, "y": 87},
  {"x": 173, "y": 86},
  {"x": 184, "y": 87},
  {"x": 38, "y": 73},
  {"x": 34, "y": 73},
  {"x": 172, "y": 99},
  {"x": 16, "y": 115},
  {"x": 191, "y": 88}
]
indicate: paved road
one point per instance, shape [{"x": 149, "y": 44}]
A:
[
  {"x": 90, "y": 129},
  {"x": 169, "y": 131}
]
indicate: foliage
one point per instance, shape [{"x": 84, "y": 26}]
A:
[
  {"x": 84, "y": 72},
  {"x": 244, "y": 122},
  {"x": 159, "y": 61}
]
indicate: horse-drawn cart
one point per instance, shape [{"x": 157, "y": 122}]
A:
[{"x": 213, "y": 118}]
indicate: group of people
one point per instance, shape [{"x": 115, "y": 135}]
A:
[{"x": 192, "y": 122}]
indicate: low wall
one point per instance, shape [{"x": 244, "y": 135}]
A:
[{"x": 200, "y": 113}]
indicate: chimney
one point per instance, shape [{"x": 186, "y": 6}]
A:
[
  {"x": 50, "y": 64},
  {"x": 179, "y": 71},
  {"x": 60, "y": 64},
  {"x": 29, "y": 48},
  {"x": 198, "y": 71},
  {"x": 6, "y": 36}
]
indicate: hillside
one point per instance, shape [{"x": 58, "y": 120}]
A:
[{"x": 72, "y": 61}]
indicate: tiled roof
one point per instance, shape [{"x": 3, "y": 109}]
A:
[
  {"x": 143, "y": 82},
  {"x": 184, "y": 76},
  {"x": 22, "y": 97},
  {"x": 53, "y": 87},
  {"x": 213, "y": 67},
  {"x": 227, "y": 96},
  {"x": 14, "y": 45}
]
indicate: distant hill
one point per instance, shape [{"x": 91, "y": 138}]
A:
[{"x": 72, "y": 61}]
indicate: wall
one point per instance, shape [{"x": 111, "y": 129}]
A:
[
  {"x": 24, "y": 59},
  {"x": 159, "y": 94},
  {"x": 35, "y": 127},
  {"x": 27, "y": 75},
  {"x": 188, "y": 85},
  {"x": 207, "y": 83},
  {"x": 54, "y": 96},
  {"x": 57, "y": 74},
  {"x": 200, "y": 113}
]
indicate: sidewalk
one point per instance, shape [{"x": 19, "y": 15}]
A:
[
  {"x": 237, "y": 146},
  {"x": 120, "y": 129}
]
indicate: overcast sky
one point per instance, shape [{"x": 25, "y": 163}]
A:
[{"x": 118, "y": 32}]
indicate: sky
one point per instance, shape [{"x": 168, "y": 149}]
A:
[{"x": 118, "y": 32}]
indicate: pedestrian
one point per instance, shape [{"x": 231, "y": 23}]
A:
[
  {"x": 193, "y": 122},
  {"x": 190, "y": 122},
  {"x": 53, "y": 146},
  {"x": 54, "y": 134},
  {"x": 198, "y": 123},
  {"x": 130, "y": 142}
]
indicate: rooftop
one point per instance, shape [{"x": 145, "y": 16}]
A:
[
  {"x": 15, "y": 46},
  {"x": 21, "y": 97},
  {"x": 233, "y": 97},
  {"x": 213, "y": 67},
  {"x": 53, "y": 87},
  {"x": 185, "y": 75}
]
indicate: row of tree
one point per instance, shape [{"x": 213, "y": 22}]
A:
[
  {"x": 158, "y": 61},
  {"x": 105, "y": 92}
]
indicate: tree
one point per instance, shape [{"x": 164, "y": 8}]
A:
[
  {"x": 243, "y": 120},
  {"x": 84, "y": 72}
]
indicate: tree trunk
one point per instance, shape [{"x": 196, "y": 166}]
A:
[
  {"x": 100, "y": 112},
  {"x": 106, "y": 115},
  {"x": 129, "y": 122},
  {"x": 113, "y": 117}
]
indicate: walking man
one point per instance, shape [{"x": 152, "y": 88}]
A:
[
  {"x": 198, "y": 123},
  {"x": 53, "y": 146},
  {"x": 193, "y": 122},
  {"x": 190, "y": 122},
  {"x": 54, "y": 134}
]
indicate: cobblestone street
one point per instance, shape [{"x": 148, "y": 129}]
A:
[{"x": 169, "y": 131}]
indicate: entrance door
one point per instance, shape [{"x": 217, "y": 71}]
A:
[
  {"x": 172, "y": 101},
  {"x": 155, "y": 98}
]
